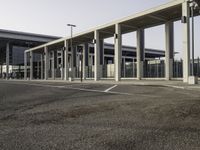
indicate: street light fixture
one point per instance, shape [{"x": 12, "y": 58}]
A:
[
  {"x": 72, "y": 26},
  {"x": 193, "y": 6}
]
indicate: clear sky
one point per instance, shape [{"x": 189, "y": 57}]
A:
[{"x": 51, "y": 16}]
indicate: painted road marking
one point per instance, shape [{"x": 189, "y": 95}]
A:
[
  {"x": 112, "y": 87},
  {"x": 90, "y": 90},
  {"x": 174, "y": 86},
  {"x": 71, "y": 88}
]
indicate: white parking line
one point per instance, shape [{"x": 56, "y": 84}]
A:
[
  {"x": 71, "y": 88},
  {"x": 112, "y": 87},
  {"x": 90, "y": 90},
  {"x": 174, "y": 86}
]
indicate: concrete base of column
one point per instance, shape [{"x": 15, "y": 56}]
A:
[
  {"x": 185, "y": 80},
  {"x": 66, "y": 70},
  {"x": 70, "y": 79},
  {"x": 72, "y": 74},
  {"x": 84, "y": 72},
  {"x": 192, "y": 80},
  {"x": 169, "y": 73},
  {"x": 99, "y": 73},
  {"x": 140, "y": 71},
  {"x": 117, "y": 79}
]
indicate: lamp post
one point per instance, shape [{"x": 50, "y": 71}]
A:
[
  {"x": 193, "y": 6},
  {"x": 192, "y": 16},
  {"x": 71, "y": 44}
]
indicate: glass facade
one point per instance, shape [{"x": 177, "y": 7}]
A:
[{"x": 18, "y": 55}]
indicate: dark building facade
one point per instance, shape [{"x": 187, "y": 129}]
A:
[{"x": 12, "y": 47}]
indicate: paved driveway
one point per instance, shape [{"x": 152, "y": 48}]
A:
[{"x": 44, "y": 115}]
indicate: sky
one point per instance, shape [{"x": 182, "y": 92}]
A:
[{"x": 51, "y": 17}]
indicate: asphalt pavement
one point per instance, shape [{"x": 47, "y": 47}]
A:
[{"x": 84, "y": 116}]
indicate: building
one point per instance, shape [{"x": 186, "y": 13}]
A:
[
  {"x": 56, "y": 61},
  {"x": 12, "y": 47},
  {"x": 71, "y": 55},
  {"x": 164, "y": 14},
  {"x": 13, "y": 44}
]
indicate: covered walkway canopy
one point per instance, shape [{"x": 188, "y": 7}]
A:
[{"x": 164, "y": 14}]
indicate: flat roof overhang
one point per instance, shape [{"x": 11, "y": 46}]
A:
[
  {"x": 17, "y": 35},
  {"x": 23, "y": 39},
  {"x": 171, "y": 11}
]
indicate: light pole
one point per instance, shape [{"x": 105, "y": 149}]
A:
[
  {"x": 71, "y": 44},
  {"x": 193, "y": 6}
]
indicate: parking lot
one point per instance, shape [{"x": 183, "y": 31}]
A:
[{"x": 95, "y": 116}]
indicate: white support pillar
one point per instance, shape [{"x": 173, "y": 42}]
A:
[
  {"x": 66, "y": 70},
  {"x": 7, "y": 59},
  {"x": 169, "y": 37},
  {"x": 85, "y": 49},
  {"x": 86, "y": 58},
  {"x": 140, "y": 53},
  {"x": 71, "y": 74},
  {"x": 73, "y": 62},
  {"x": 46, "y": 63},
  {"x": 31, "y": 65},
  {"x": 118, "y": 52},
  {"x": 186, "y": 41},
  {"x": 62, "y": 66},
  {"x": 42, "y": 69},
  {"x": 96, "y": 56},
  {"x": 25, "y": 65},
  {"x": 53, "y": 65}
]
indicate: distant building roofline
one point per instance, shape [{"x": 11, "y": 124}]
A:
[{"x": 29, "y": 34}]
